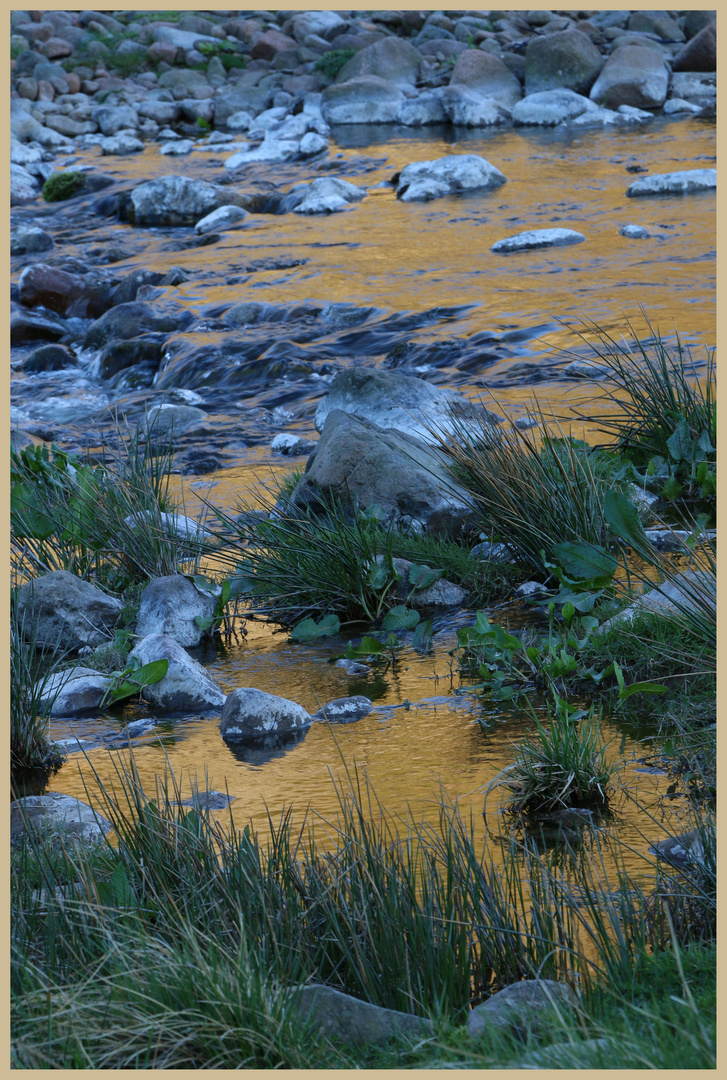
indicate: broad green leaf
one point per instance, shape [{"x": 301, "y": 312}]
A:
[
  {"x": 400, "y": 618},
  {"x": 146, "y": 675},
  {"x": 709, "y": 485},
  {"x": 423, "y": 636},
  {"x": 672, "y": 489},
  {"x": 309, "y": 630},
  {"x": 623, "y": 517},
  {"x": 378, "y": 575},
  {"x": 585, "y": 562},
  {"x": 589, "y": 622},
  {"x": 202, "y": 623},
  {"x": 681, "y": 446},
  {"x": 423, "y": 577},
  {"x": 568, "y": 611},
  {"x": 368, "y": 646},
  {"x": 619, "y": 676},
  {"x": 704, "y": 443}
]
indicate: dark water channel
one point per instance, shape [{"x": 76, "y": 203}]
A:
[{"x": 412, "y": 286}]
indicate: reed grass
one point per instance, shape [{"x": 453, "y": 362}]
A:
[{"x": 30, "y": 672}]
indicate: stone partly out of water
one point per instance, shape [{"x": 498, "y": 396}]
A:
[
  {"x": 439, "y": 594},
  {"x": 291, "y": 445},
  {"x": 338, "y": 1015},
  {"x": 683, "y": 851},
  {"x": 686, "y": 182},
  {"x": 63, "y": 611},
  {"x": 173, "y": 605},
  {"x": 178, "y": 200},
  {"x": 538, "y": 238},
  {"x": 186, "y": 687},
  {"x": 344, "y": 710},
  {"x": 225, "y": 217},
  {"x": 522, "y": 1005},
  {"x": 57, "y": 819},
  {"x": 424, "y": 180},
  {"x": 328, "y": 195},
  {"x": 549, "y": 107},
  {"x": 634, "y": 232},
  {"x": 366, "y": 99},
  {"x": 74, "y": 691},
  {"x": 251, "y": 716},
  {"x": 693, "y": 592},
  {"x": 360, "y": 465},
  {"x": 30, "y": 240}
]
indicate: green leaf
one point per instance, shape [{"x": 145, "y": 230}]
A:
[
  {"x": 378, "y": 575},
  {"x": 309, "y": 630},
  {"x": 585, "y": 562},
  {"x": 619, "y": 676},
  {"x": 709, "y": 485},
  {"x": 145, "y": 675},
  {"x": 623, "y": 517},
  {"x": 400, "y": 618},
  {"x": 589, "y": 622},
  {"x": 681, "y": 446},
  {"x": 704, "y": 443},
  {"x": 672, "y": 489},
  {"x": 368, "y": 646},
  {"x": 204, "y": 623},
  {"x": 641, "y": 688},
  {"x": 423, "y": 636},
  {"x": 568, "y": 611},
  {"x": 423, "y": 577}
]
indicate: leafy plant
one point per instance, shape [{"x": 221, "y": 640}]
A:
[
  {"x": 63, "y": 185},
  {"x": 331, "y": 62},
  {"x": 134, "y": 677}
]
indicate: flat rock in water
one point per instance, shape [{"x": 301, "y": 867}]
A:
[
  {"x": 686, "y": 182},
  {"x": 60, "y": 815},
  {"x": 538, "y": 238},
  {"x": 344, "y": 710},
  {"x": 549, "y": 107},
  {"x": 634, "y": 232},
  {"x": 341, "y": 1016},
  {"x": 681, "y": 851}
]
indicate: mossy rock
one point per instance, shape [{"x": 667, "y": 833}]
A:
[{"x": 63, "y": 185}]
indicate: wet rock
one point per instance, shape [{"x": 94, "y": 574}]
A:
[
  {"x": 362, "y": 465},
  {"x": 172, "y": 605},
  {"x": 56, "y": 815},
  {"x": 125, "y": 321},
  {"x": 251, "y": 716},
  {"x": 29, "y": 240},
  {"x": 87, "y": 296},
  {"x": 426, "y": 108},
  {"x": 74, "y": 692},
  {"x": 338, "y": 1015},
  {"x": 366, "y": 99},
  {"x": 691, "y": 591},
  {"x": 583, "y": 369},
  {"x": 312, "y": 143},
  {"x": 186, "y": 685},
  {"x": 634, "y": 232},
  {"x": 632, "y": 75},
  {"x": 63, "y": 609},
  {"x": 352, "y": 667},
  {"x": 551, "y": 107},
  {"x": 50, "y": 358},
  {"x": 677, "y": 183},
  {"x": 522, "y": 1005},
  {"x": 562, "y": 61},
  {"x": 392, "y": 58},
  {"x": 271, "y": 148},
  {"x": 167, "y": 419},
  {"x": 178, "y": 200},
  {"x": 177, "y": 149},
  {"x": 121, "y": 144},
  {"x": 679, "y": 105},
  {"x": 683, "y": 851},
  {"x": 391, "y": 399},
  {"x": 424, "y": 180},
  {"x": 467, "y": 108},
  {"x": 486, "y": 75},
  {"x": 328, "y": 195},
  {"x": 24, "y": 188},
  {"x": 657, "y": 23},
  {"x": 31, "y": 326},
  {"x": 693, "y": 86},
  {"x": 291, "y": 445},
  {"x": 344, "y": 710},
  {"x": 538, "y": 238},
  {"x": 114, "y": 118},
  {"x": 225, "y": 217},
  {"x": 699, "y": 54}
]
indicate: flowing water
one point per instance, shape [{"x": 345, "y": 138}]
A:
[{"x": 412, "y": 286}]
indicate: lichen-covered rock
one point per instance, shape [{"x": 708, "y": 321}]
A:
[
  {"x": 74, "y": 691},
  {"x": 366, "y": 99},
  {"x": 172, "y": 605},
  {"x": 178, "y": 200},
  {"x": 392, "y": 59},
  {"x": 328, "y": 195},
  {"x": 567, "y": 60},
  {"x": 344, "y": 710},
  {"x": 62, "y": 610},
  {"x": 252, "y": 717}
]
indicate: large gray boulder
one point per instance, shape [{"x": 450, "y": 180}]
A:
[
  {"x": 73, "y": 692},
  {"x": 114, "y": 118},
  {"x": 425, "y": 108},
  {"x": 61, "y": 816},
  {"x": 64, "y": 610},
  {"x": 179, "y": 200},
  {"x": 392, "y": 58},
  {"x": 425, "y": 180},
  {"x": 632, "y": 75},
  {"x": 391, "y": 399},
  {"x": 550, "y": 107},
  {"x": 567, "y": 60},
  {"x": 686, "y": 182},
  {"x": 338, "y": 1015},
  {"x": 522, "y": 1005},
  {"x": 468, "y": 108},
  {"x": 486, "y": 75},
  {"x": 366, "y": 99},
  {"x": 699, "y": 54},
  {"x": 186, "y": 687},
  {"x": 360, "y": 465},
  {"x": 171, "y": 605},
  {"x": 252, "y": 717}
]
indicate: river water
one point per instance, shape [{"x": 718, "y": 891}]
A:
[{"x": 432, "y": 299}]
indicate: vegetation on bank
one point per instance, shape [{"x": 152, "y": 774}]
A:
[{"x": 183, "y": 944}]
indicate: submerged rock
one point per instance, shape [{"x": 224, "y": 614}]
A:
[{"x": 251, "y": 716}]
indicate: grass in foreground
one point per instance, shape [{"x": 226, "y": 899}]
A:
[{"x": 182, "y": 946}]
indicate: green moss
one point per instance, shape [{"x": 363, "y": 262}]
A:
[
  {"x": 63, "y": 185},
  {"x": 331, "y": 62}
]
